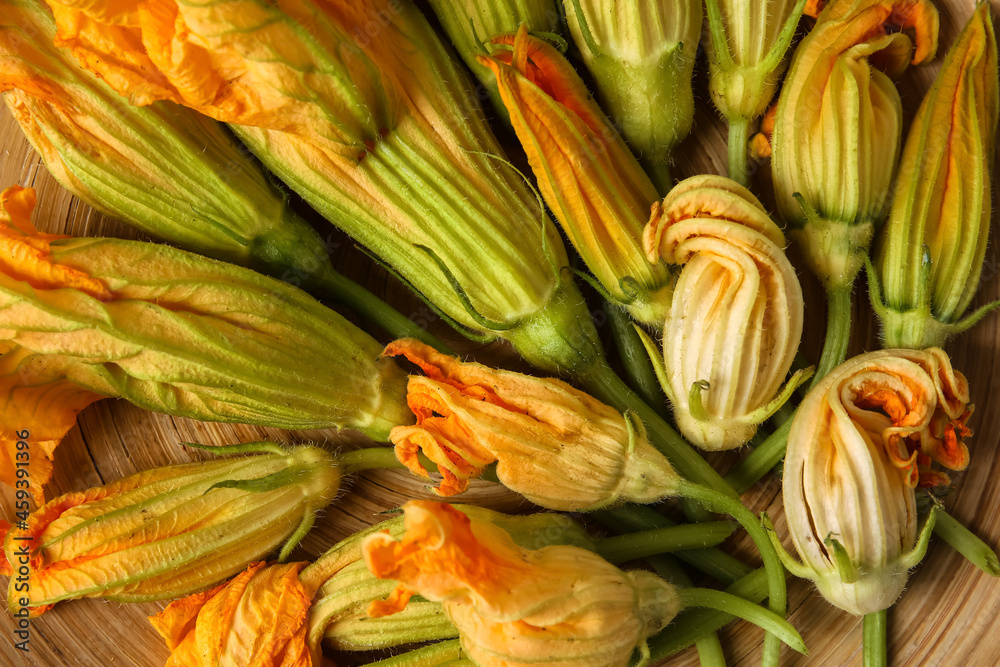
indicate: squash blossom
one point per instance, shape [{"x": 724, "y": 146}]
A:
[
  {"x": 736, "y": 318},
  {"x": 747, "y": 43},
  {"x": 930, "y": 253},
  {"x": 641, "y": 54},
  {"x": 362, "y": 111},
  {"x": 862, "y": 440},
  {"x": 172, "y": 332},
  {"x": 167, "y": 170},
  {"x": 557, "y": 446},
  {"x": 470, "y": 24},
  {"x": 514, "y": 606},
  {"x": 586, "y": 173},
  {"x": 169, "y": 531},
  {"x": 837, "y": 129}
]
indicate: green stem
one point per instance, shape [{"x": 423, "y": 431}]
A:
[
  {"x": 664, "y": 540},
  {"x": 741, "y": 608},
  {"x": 965, "y": 542},
  {"x": 372, "y": 458},
  {"x": 760, "y": 461},
  {"x": 710, "y": 653},
  {"x": 838, "y": 331},
  {"x": 739, "y": 136},
  {"x": 875, "y": 653},
  {"x": 638, "y": 368},
  {"x": 713, "y": 562},
  {"x": 428, "y": 656},
  {"x": 694, "y": 624},
  {"x": 370, "y": 307},
  {"x": 775, "y": 571},
  {"x": 659, "y": 173},
  {"x": 608, "y": 387}
]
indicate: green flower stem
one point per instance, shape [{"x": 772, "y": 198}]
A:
[
  {"x": 638, "y": 368},
  {"x": 760, "y": 461},
  {"x": 347, "y": 292},
  {"x": 375, "y": 457},
  {"x": 664, "y": 540},
  {"x": 777, "y": 595},
  {"x": 710, "y": 653},
  {"x": 739, "y": 137},
  {"x": 838, "y": 331},
  {"x": 659, "y": 173},
  {"x": 875, "y": 653},
  {"x": 713, "y": 562},
  {"x": 965, "y": 542},
  {"x": 427, "y": 656},
  {"x": 608, "y": 387},
  {"x": 733, "y": 604},
  {"x": 694, "y": 624}
]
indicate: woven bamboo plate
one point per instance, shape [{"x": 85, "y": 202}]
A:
[{"x": 949, "y": 615}]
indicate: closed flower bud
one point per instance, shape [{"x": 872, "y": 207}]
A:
[
  {"x": 930, "y": 253},
  {"x": 557, "y": 446},
  {"x": 641, "y": 54},
  {"x": 861, "y": 441},
  {"x": 588, "y": 177},
  {"x": 360, "y": 109},
  {"x": 172, "y": 332},
  {"x": 472, "y": 23},
  {"x": 514, "y": 606},
  {"x": 747, "y": 42},
  {"x": 837, "y": 130},
  {"x": 736, "y": 318},
  {"x": 169, "y": 531}
]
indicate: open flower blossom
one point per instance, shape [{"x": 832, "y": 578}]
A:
[
  {"x": 557, "y": 446},
  {"x": 378, "y": 132},
  {"x": 930, "y": 253},
  {"x": 588, "y": 176},
  {"x": 173, "y": 332},
  {"x": 514, "y": 606},
  {"x": 736, "y": 318},
  {"x": 838, "y": 124},
  {"x": 861, "y": 441},
  {"x": 641, "y": 55},
  {"x": 258, "y": 618},
  {"x": 168, "y": 531}
]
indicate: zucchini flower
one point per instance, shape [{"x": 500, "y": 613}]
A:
[
  {"x": 471, "y": 24},
  {"x": 172, "y": 332},
  {"x": 837, "y": 129},
  {"x": 164, "y": 169},
  {"x": 168, "y": 531},
  {"x": 588, "y": 177},
  {"x": 747, "y": 42},
  {"x": 361, "y": 110},
  {"x": 641, "y": 54},
  {"x": 557, "y": 446},
  {"x": 862, "y": 439},
  {"x": 736, "y": 318},
  {"x": 258, "y": 618},
  {"x": 930, "y": 253},
  {"x": 514, "y": 606}
]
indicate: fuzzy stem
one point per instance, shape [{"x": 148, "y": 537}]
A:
[
  {"x": 760, "y": 461},
  {"x": 372, "y": 458},
  {"x": 713, "y": 562},
  {"x": 748, "y": 611},
  {"x": 739, "y": 135},
  {"x": 965, "y": 542},
  {"x": 370, "y": 307},
  {"x": 692, "y": 625},
  {"x": 427, "y": 656},
  {"x": 838, "y": 331},
  {"x": 631, "y": 546},
  {"x": 638, "y": 368},
  {"x": 874, "y": 652},
  {"x": 775, "y": 571}
]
